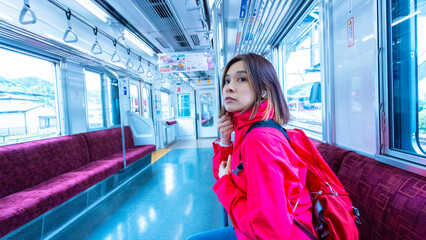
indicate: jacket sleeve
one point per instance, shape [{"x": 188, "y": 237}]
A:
[
  {"x": 265, "y": 211},
  {"x": 220, "y": 154}
]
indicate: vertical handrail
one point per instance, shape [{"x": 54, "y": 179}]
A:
[
  {"x": 224, "y": 218},
  {"x": 215, "y": 9},
  {"x": 123, "y": 139}
]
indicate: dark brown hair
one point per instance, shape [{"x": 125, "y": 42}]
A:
[{"x": 261, "y": 76}]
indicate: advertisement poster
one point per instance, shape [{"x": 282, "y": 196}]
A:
[
  {"x": 185, "y": 62},
  {"x": 172, "y": 63}
]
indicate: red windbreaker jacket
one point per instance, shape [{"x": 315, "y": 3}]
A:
[{"x": 261, "y": 198}]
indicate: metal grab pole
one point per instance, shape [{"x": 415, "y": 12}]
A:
[
  {"x": 224, "y": 218},
  {"x": 123, "y": 141}
]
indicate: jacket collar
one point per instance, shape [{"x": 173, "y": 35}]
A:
[{"x": 243, "y": 119}]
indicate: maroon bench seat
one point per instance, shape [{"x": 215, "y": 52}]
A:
[
  {"x": 27, "y": 171},
  {"x": 332, "y": 155},
  {"x": 106, "y": 145},
  {"x": 37, "y": 176},
  {"x": 171, "y": 122},
  {"x": 391, "y": 201},
  {"x": 132, "y": 154},
  {"x": 19, "y": 208}
]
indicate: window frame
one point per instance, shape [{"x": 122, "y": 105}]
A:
[
  {"x": 61, "y": 124},
  {"x": 136, "y": 83},
  {"x": 168, "y": 104},
  {"x": 103, "y": 100},
  {"x": 321, "y": 136},
  {"x": 107, "y": 100},
  {"x": 385, "y": 154},
  {"x": 148, "y": 87}
]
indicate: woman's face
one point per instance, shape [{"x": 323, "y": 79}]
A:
[{"x": 236, "y": 91}]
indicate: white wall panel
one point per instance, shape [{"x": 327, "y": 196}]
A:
[
  {"x": 76, "y": 97},
  {"x": 355, "y": 74},
  {"x": 124, "y": 94},
  {"x": 186, "y": 128}
]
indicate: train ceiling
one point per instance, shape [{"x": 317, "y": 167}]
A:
[
  {"x": 165, "y": 26},
  {"x": 168, "y": 25}
]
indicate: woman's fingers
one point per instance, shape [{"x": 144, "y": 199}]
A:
[
  {"x": 227, "y": 129},
  {"x": 223, "y": 164},
  {"x": 229, "y": 164}
]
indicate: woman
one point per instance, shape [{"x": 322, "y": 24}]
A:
[{"x": 261, "y": 197}]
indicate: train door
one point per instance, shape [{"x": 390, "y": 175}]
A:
[
  {"x": 186, "y": 114},
  {"x": 206, "y": 113}
]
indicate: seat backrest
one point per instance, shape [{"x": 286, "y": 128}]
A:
[
  {"x": 391, "y": 201},
  {"x": 332, "y": 155},
  {"x": 142, "y": 129},
  {"x": 27, "y": 164},
  {"x": 104, "y": 143}
]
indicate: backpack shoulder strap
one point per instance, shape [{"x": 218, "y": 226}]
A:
[
  {"x": 273, "y": 124},
  {"x": 268, "y": 123}
]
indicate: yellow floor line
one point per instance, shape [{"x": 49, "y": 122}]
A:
[{"x": 158, "y": 154}]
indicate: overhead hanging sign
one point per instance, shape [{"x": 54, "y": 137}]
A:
[
  {"x": 351, "y": 32},
  {"x": 185, "y": 62}
]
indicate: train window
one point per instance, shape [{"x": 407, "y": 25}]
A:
[
  {"x": 165, "y": 110},
  {"x": 302, "y": 72},
  {"x": 184, "y": 105},
  {"x": 113, "y": 101},
  {"x": 145, "y": 102},
  {"x": 134, "y": 97},
  {"x": 407, "y": 81},
  {"x": 94, "y": 99},
  {"x": 28, "y": 101}
]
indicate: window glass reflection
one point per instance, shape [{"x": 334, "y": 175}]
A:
[{"x": 302, "y": 73}]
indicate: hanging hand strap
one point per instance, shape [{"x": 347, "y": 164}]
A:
[
  {"x": 25, "y": 9},
  {"x": 69, "y": 31},
  {"x": 140, "y": 68},
  {"x": 96, "y": 47},
  {"x": 115, "y": 57}
]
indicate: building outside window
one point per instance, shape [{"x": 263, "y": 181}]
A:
[
  {"x": 27, "y": 98},
  {"x": 302, "y": 73},
  {"x": 94, "y": 99},
  {"x": 184, "y": 105}
]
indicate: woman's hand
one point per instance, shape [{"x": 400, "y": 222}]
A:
[
  {"x": 225, "y": 125},
  {"x": 225, "y": 167}
]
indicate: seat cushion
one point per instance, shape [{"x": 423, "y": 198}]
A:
[
  {"x": 27, "y": 164},
  {"x": 132, "y": 154},
  {"x": 391, "y": 201},
  {"x": 20, "y": 208}
]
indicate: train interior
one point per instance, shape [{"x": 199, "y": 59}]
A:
[{"x": 109, "y": 108}]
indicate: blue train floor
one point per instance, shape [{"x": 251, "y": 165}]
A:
[{"x": 170, "y": 199}]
